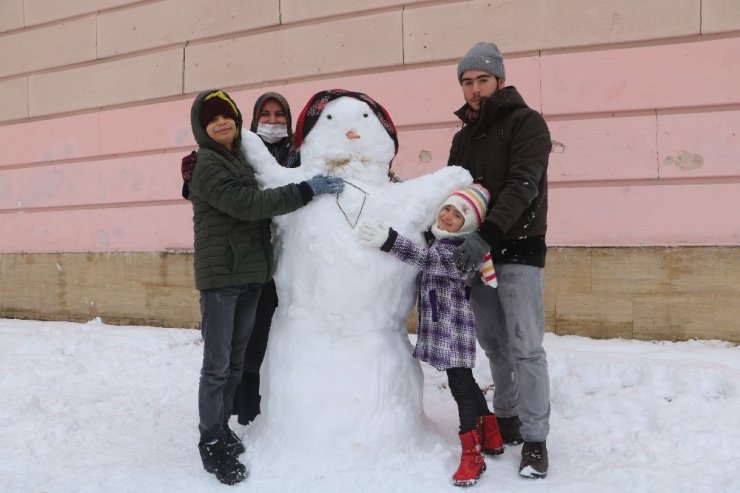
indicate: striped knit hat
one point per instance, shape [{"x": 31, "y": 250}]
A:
[{"x": 472, "y": 203}]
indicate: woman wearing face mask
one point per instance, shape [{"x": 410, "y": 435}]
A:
[{"x": 271, "y": 120}]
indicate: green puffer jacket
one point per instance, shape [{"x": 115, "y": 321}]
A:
[{"x": 231, "y": 214}]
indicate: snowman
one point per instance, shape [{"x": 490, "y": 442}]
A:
[{"x": 339, "y": 366}]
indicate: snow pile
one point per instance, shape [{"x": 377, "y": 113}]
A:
[
  {"x": 90, "y": 408},
  {"x": 338, "y": 355}
]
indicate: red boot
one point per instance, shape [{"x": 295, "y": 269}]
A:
[
  {"x": 491, "y": 440},
  {"x": 472, "y": 464}
]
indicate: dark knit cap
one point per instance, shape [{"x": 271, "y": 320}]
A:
[
  {"x": 217, "y": 103},
  {"x": 315, "y": 106},
  {"x": 485, "y": 57}
]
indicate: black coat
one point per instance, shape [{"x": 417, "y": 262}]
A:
[{"x": 506, "y": 149}]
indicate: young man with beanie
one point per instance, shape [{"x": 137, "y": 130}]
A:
[
  {"x": 233, "y": 259},
  {"x": 506, "y": 145}
]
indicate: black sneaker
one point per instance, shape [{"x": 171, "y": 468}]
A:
[
  {"x": 534, "y": 460},
  {"x": 509, "y": 428},
  {"x": 216, "y": 460},
  {"x": 234, "y": 446}
]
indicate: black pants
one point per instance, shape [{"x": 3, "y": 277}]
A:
[
  {"x": 470, "y": 400},
  {"x": 247, "y": 398},
  {"x": 227, "y": 322}
]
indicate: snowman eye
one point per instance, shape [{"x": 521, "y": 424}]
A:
[
  {"x": 365, "y": 115},
  {"x": 328, "y": 117}
]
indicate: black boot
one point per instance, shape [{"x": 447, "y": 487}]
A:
[
  {"x": 534, "y": 460},
  {"x": 247, "y": 398},
  {"x": 509, "y": 428},
  {"x": 234, "y": 446},
  {"x": 217, "y": 461}
]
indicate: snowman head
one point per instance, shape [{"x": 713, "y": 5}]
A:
[{"x": 346, "y": 134}]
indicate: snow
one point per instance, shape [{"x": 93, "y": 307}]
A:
[
  {"x": 91, "y": 408},
  {"x": 340, "y": 325}
]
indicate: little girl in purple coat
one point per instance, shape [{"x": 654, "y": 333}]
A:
[{"x": 446, "y": 330}]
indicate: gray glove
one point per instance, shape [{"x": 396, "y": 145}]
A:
[
  {"x": 469, "y": 255},
  {"x": 321, "y": 184}
]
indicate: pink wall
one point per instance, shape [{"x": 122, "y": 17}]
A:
[
  {"x": 109, "y": 181},
  {"x": 646, "y": 135}
]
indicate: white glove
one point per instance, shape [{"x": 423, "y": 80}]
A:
[{"x": 373, "y": 235}]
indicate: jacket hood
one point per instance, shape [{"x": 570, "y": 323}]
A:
[
  {"x": 502, "y": 101},
  {"x": 199, "y": 132},
  {"x": 258, "y": 107}
]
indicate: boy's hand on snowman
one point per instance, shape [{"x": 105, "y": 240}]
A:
[
  {"x": 373, "y": 235},
  {"x": 322, "y": 184}
]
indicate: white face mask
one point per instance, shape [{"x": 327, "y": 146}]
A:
[{"x": 272, "y": 133}]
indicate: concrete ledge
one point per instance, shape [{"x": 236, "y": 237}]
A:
[
  {"x": 123, "y": 289},
  {"x": 644, "y": 293},
  {"x": 650, "y": 293}
]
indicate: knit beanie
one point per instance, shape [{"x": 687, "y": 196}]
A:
[
  {"x": 485, "y": 57},
  {"x": 312, "y": 111},
  {"x": 472, "y": 203},
  {"x": 218, "y": 103}
]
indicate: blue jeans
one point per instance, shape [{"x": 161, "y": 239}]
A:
[
  {"x": 511, "y": 328},
  {"x": 227, "y": 323}
]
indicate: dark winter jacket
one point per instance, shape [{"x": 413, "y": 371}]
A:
[
  {"x": 231, "y": 214},
  {"x": 506, "y": 149},
  {"x": 282, "y": 150},
  {"x": 446, "y": 330}
]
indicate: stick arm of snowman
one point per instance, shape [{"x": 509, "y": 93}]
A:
[
  {"x": 268, "y": 171},
  {"x": 424, "y": 195}
]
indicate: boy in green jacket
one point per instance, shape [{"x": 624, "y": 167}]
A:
[{"x": 233, "y": 259}]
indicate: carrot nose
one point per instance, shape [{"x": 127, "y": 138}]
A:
[{"x": 352, "y": 135}]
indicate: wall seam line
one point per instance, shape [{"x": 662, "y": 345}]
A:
[
  {"x": 539, "y": 70},
  {"x": 657, "y": 145},
  {"x": 403, "y": 36},
  {"x": 182, "y": 82}
]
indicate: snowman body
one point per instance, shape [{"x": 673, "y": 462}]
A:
[{"x": 339, "y": 363}]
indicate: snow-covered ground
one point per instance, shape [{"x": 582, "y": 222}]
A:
[{"x": 97, "y": 408}]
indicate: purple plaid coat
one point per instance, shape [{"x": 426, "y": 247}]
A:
[{"x": 446, "y": 332}]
